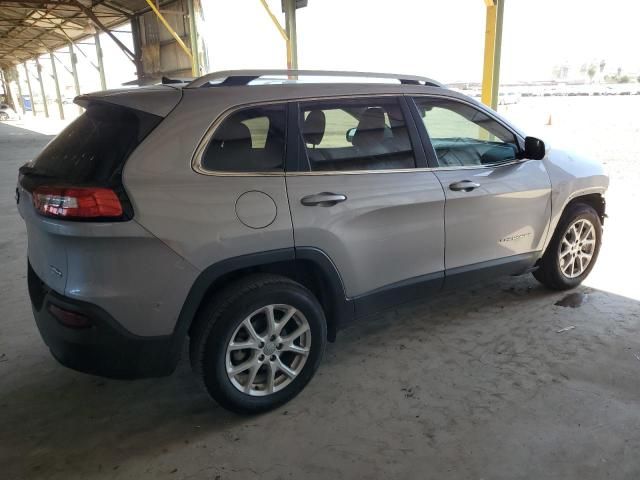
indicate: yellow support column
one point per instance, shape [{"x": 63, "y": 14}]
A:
[
  {"x": 283, "y": 33},
  {"x": 489, "y": 51}
]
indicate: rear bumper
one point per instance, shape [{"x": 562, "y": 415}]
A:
[{"x": 105, "y": 348}]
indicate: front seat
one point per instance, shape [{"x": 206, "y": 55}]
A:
[
  {"x": 313, "y": 128},
  {"x": 370, "y": 131}
]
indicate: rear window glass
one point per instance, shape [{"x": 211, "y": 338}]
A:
[{"x": 94, "y": 148}]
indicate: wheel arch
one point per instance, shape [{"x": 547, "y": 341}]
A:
[
  {"x": 593, "y": 199},
  {"x": 310, "y": 267}
]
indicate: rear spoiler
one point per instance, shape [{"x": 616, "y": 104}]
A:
[{"x": 157, "y": 99}]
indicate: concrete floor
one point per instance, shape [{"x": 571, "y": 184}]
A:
[{"x": 476, "y": 384}]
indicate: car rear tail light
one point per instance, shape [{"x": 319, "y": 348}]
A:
[
  {"x": 69, "y": 318},
  {"x": 77, "y": 202}
]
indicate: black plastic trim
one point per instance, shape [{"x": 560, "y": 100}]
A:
[
  {"x": 512, "y": 265},
  {"x": 398, "y": 293},
  {"x": 212, "y": 273},
  {"x": 427, "y": 146},
  {"x": 342, "y": 309},
  {"x": 295, "y": 152},
  {"x": 420, "y": 158}
]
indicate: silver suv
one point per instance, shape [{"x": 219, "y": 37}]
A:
[{"x": 254, "y": 213}]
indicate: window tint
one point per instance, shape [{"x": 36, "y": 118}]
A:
[
  {"x": 356, "y": 135},
  {"x": 94, "y": 148},
  {"x": 250, "y": 140},
  {"x": 465, "y": 136}
]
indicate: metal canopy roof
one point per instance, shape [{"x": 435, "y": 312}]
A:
[{"x": 32, "y": 27}]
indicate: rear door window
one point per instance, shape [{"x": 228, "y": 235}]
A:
[
  {"x": 356, "y": 134},
  {"x": 249, "y": 140},
  {"x": 93, "y": 149}
]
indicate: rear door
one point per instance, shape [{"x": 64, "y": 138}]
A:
[
  {"x": 362, "y": 194},
  {"x": 498, "y": 204}
]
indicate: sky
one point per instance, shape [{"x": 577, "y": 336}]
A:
[{"x": 442, "y": 39}]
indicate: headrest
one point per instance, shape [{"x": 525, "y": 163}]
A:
[
  {"x": 234, "y": 135},
  {"x": 370, "y": 128},
  {"x": 313, "y": 128}
]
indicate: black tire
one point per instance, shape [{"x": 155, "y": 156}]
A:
[
  {"x": 4, "y": 116},
  {"x": 222, "y": 315},
  {"x": 549, "y": 272}
]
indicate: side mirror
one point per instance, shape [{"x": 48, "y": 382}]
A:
[
  {"x": 534, "y": 148},
  {"x": 350, "y": 134}
]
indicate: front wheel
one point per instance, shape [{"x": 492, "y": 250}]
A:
[
  {"x": 573, "y": 250},
  {"x": 258, "y": 343}
]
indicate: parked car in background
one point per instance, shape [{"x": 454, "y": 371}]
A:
[
  {"x": 257, "y": 219},
  {"x": 7, "y": 113},
  {"x": 508, "y": 98}
]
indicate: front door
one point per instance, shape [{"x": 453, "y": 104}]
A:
[
  {"x": 498, "y": 205},
  {"x": 360, "y": 199}
]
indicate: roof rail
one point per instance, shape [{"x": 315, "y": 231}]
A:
[{"x": 228, "y": 78}]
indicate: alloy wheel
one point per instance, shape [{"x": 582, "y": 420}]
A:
[
  {"x": 577, "y": 248},
  {"x": 268, "y": 350}
]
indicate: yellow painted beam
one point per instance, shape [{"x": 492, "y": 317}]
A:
[
  {"x": 175, "y": 36},
  {"x": 280, "y": 29},
  {"x": 489, "y": 53}
]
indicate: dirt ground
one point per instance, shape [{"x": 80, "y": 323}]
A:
[{"x": 480, "y": 383}]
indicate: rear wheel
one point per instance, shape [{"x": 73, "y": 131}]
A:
[
  {"x": 4, "y": 116},
  {"x": 573, "y": 250},
  {"x": 258, "y": 343}
]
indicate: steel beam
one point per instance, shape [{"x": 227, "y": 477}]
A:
[
  {"x": 33, "y": 104},
  {"x": 44, "y": 96},
  {"x": 281, "y": 30},
  {"x": 89, "y": 13},
  {"x": 137, "y": 42},
  {"x": 292, "y": 35},
  {"x": 103, "y": 80},
  {"x": 74, "y": 72},
  {"x": 57, "y": 84},
  {"x": 20, "y": 91},
  {"x": 193, "y": 36}
]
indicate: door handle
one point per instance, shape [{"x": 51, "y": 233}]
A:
[
  {"x": 324, "y": 199},
  {"x": 464, "y": 186}
]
